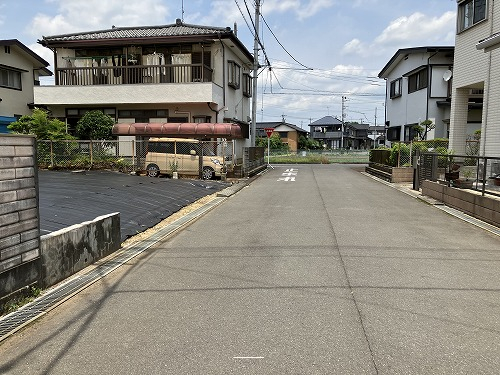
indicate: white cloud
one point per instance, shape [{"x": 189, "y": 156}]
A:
[
  {"x": 302, "y": 9},
  {"x": 415, "y": 30},
  {"x": 417, "y": 27},
  {"x": 99, "y": 15}
]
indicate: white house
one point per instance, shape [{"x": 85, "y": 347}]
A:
[
  {"x": 20, "y": 70},
  {"x": 476, "y": 75},
  {"x": 418, "y": 89},
  {"x": 154, "y": 81}
]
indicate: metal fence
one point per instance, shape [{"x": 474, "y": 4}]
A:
[
  {"x": 464, "y": 171},
  {"x": 122, "y": 155}
]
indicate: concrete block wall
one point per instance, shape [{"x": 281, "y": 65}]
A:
[
  {"x": 484, "y": 208},
  {"x": 69, "y": 250},
  {"x": 19, "y": 218}
]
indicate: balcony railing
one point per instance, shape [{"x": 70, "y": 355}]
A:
[
  {"x": 328, "y": 135},
  {"x": 143, "y": 74}
]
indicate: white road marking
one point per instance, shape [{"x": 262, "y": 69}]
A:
[{"x": 248, "y": 357}]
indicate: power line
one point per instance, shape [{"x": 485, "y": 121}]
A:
[{"x": 282, "y": 46}]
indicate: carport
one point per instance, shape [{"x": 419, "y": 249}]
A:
[{"x": 182, "y": 130}]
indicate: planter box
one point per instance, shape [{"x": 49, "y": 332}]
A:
[{"x": 391, "y": 174}]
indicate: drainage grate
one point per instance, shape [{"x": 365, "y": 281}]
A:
[{"x": 14, "y": 321}]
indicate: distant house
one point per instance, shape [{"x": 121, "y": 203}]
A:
[
  {"x": 175, "y": 80},
  {"x": 327, "y": 131},
  {"x": 20, "y": 70},
  {"x": 289, "y": 133},
  {"x": 476, "y": 76},
  {"x": 418, "y": 83}
]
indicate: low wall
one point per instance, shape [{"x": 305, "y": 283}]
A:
[
  {"x": 71, "y": 249},
  {"x": 484, "y": 208},
  {"x": 391, "y": 174}
]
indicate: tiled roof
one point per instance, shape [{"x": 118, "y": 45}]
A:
[
  {"x": 177, "y": 29},
  {"x": 327, "y": 120}
]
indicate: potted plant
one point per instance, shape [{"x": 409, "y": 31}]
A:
[
  {"x": 174, "y": 166},
  {"x": 464, "y": 183},
  {"x": 497, "y": 180}
]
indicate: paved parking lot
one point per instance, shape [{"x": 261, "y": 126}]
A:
[{"x": 68, "y": 198}]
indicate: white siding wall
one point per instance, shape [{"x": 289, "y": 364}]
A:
[
  {"x": 412, "y": 108},
  {"x": 15, "y": 101},
  {"x": 472, "y": 70}
]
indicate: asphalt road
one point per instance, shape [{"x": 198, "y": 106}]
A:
[
  {"x": 312, "y": 269},
  {"x": 68, "y": 198}
]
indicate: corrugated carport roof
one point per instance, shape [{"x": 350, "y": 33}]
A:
[{"x": 186, "y": 129}]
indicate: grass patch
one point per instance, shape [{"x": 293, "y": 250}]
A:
[
  {"x": 20, "y": 300},
  {"x": 311, "y": 158}
]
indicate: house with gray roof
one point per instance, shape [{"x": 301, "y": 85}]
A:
[
  {"x": 154, "y": 81},
  {"x": 327, "y": 131},
  {"x": 20, "y": 71}
]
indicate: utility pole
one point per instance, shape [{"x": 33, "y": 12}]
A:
[
  {"x": 255, "y": 73},
  {"x": 343, "y": 119}
]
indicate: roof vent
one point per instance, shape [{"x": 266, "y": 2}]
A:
[{"x": 178, "y": 22}]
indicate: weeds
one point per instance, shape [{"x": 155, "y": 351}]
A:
[{"x": 20, "y": 300}]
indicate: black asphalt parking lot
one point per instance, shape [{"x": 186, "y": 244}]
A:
[{"x": 68, "y": 198}]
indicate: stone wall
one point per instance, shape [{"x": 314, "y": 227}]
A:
[{"x": 19, "y": 218}]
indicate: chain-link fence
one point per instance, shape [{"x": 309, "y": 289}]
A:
[
  {"x": 133, "y": 155},
  {"x": 401, "y": 153}
]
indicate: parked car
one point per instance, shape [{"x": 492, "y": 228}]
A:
[{"x": 168, "y": 155}]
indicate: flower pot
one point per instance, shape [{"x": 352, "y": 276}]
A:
[
  {"x": 463, "y": 184},
  {"x": 497, "y": 181}
]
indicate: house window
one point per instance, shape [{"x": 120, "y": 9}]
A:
[
  {"x": 247, "y": 85},
  {"x": 233, "y": 74},
  {"x": 7, "y": 49},
  {"x": 470, "y": 12},
  {"x": 201, "y": 119},
  {"x": 396, "y": 88},
  {"x": 10, "y": 79},
  {"x": 417, "y": 81}
]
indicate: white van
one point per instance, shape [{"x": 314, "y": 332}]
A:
[{"x": 168, "y": 155}]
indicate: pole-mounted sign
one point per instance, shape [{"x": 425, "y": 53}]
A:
[{"x": 269, "y": 131}]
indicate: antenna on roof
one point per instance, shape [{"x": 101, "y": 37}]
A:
[{"x": 182, "y": 15}]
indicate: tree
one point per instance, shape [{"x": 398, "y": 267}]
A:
[
  {"x": 95, "y": 125},
  {"x": 423, "y": 128},
  {"x": 40, "y": 125},
  {"x": 275, "y": 142}
]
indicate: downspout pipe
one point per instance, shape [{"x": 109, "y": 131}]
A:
[
  {"x": 429, "y": 82},
  {"x": 224, "y": 70}
]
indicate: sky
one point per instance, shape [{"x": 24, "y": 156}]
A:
[{"x": 319, "y": 50}]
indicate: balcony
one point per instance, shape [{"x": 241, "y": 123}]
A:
[
  {"x": 136, "y": 74},
  {"x": 328, "y": 135}
]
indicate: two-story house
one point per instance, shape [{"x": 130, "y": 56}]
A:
[
  {"x": 328, "y": 131},
  {"x": 177, "y": 80},
  {"x": 418, "y": 89},
  {"x": 20, "y": 70},
  {"x": 288, "y": 133},
  {"x": 476, "y": 75}
]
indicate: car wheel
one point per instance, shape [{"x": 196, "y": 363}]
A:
[
  {"x": 152, "y": 170},
  {"x": 207, "y": 173}
]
